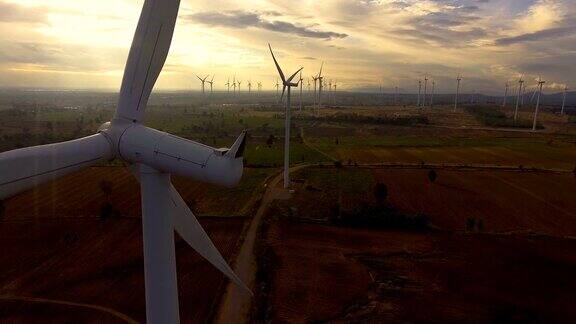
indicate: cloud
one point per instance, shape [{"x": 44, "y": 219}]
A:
[
  {"x": 10, "y": 12},
  {"x": 547, "y": 34},
  {"x": 245, "y": 19}
]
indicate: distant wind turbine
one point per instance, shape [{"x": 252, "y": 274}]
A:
[
  {"x": 564, "y": 100},
  {"x": 425, "y": 90},
  {"x": 432, "y": 94},
  {"x": 540, "y": 84},
  {"x": 518, "y": 98},
  {"x": 211, "y": 82},
  {"x": 419, "y": 92},
  {"x": 505, "y": 95},
  {"x": 203, "y": 82},
  {"x": 301, "y": 86},
  {"x": 286, "y": 84},
  {"x": 458, "y": 79}
]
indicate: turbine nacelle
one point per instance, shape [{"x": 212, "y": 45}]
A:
[{"x": 137, "y": 144}]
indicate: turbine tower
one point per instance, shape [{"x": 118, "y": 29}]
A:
[
  {"x": 564, "y": 100},
  {"x": 458, "y": 79},
  {"x": 520, "y": 84},
  {"x": 234, "y": 86},
  {"x": 301, "y": 86},
  {"x": 239, "y": 84},
  {"x": 286, "y": 84},
  {"x": 419, "y": 92},
  {"x": 228, "y": 85},
  {"x": 425, "y": 90},
  {"x": 320, "y": 86},
  {"x": 250, "y": 86},
  {"x": 432, "y": 94},
  {"x": 505, "y": 95},
  {"x": 153, "y": 156},
  {"x": 540, "y": 84}
]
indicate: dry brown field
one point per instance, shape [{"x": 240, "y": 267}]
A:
[
  {"x": 516, "y": 269},
  {"x": 342, "y": 275},
  {"x": 56, "y": 247}
]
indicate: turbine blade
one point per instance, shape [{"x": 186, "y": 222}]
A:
[
  {"x": 283, "y": 90},
  {"x": 237, "y": 149},
  {"x": 293, "y": 75},
  {"x": 321, "y": 66},
  {"x": 28, "y": 167},
  {"x": 192, "y": 232},
  {"x": 277, "y": 66},
  {"x": 212, "y": 78},
  {"x": 147, "y": 56}
]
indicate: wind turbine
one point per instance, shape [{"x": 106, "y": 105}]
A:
[
  {"x": 425, "y": 90},
  {"x": 239, "y": 85},
  {"x": 419, "y": 92},
  {"x": 153, "y": 156},
  {"x": 249, "y": 86},
  {"x": 211, "y": 82},
  {"x": 320, "y": 85},
  {"x": 203, "y": 83},
  {"x": 458, "y": 79},
  {"x": 540, "y": 84},
  {"x": 520, "y": 83},
  {"x": 301, "y": 88},
  {"x": 234, "y": 86},
  {"x": 505, "y": 95},
  {"x": 432, "y": 94},
  {"x": 315, "y": 79},
  {"x": 564, "y": 100},
  {"x": 228, "y": 85},
  {"x": 334, "y": 93},
  {"x": 286, "y": 84}
]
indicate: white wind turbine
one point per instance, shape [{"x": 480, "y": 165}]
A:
[
  {"x": 211, "y": 82},
  {"x": 239, "y": 86},
  {"x": 458, "y": 79},
  {"x": 320, "y": 79},
  {"x": 540, "y": 84},
  {"x": 203, "y": 83},
  {"x": 153, "y": 155},
  {"x": 432, "y": 94},
  {"x": 419, "y": 92},
  {"x": 249, "y": 86},
  {"x": 301, "y": 88},
  {"x": 286, "y": 84},
  {"x": 234, "y": 86},
  {"x": 425, "y": 90},
  {"x": 520, "y": 84},
  {"x": 564, "y": 100},
  {"x": 505, "y": 95},
  {"x": 228, "y": 85}
]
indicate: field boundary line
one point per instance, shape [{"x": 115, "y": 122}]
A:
[{"x": 110, "y": 311}]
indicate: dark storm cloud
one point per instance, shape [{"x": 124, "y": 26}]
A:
[
  {"x": 547, "y": 34},
  {"x": 244, "y": 19},
  {"x": 10, "y": 12}
]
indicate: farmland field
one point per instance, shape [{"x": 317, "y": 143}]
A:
[{"x": 515, "y": 266}]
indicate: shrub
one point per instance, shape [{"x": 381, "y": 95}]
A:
[{"x": 432, "y": 176}]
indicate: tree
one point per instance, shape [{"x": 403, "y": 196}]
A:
[
  {"x": 381, "y": 192},
  {"x": 432, "y": 176},
  {"x": 270, "y": 141}
]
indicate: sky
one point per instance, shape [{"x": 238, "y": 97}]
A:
[{"x": 83, "y": 44}]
